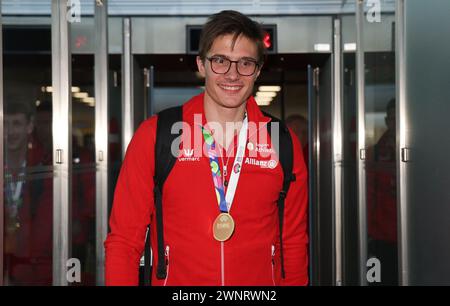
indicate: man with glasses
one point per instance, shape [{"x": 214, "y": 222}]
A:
[{"x": 221, "y": 223}]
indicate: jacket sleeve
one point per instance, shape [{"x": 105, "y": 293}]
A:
[
  {"x": 132, "y": 209},
  {"x": 295, "y": 226}
]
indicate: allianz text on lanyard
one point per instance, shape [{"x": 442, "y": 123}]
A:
[{"x": 223, "y": 226}]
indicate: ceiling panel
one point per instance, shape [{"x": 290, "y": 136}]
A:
[{"x": 196, "y": 7}]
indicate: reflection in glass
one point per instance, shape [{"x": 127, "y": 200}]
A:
[
  {"x": 28, "y": 196},
  {"x": 115, "y": 125},
  {"x": 381, "y": 164},
  {"x": 83, "y": 157},
  {"x": 350, "y": 203}
]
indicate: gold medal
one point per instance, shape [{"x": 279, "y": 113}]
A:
[{"x": 223, "y": 227}]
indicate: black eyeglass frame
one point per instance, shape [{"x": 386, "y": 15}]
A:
[{"x": 211, "y": 58}]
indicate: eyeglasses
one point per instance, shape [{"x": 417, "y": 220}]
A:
[{"x": 221, "y": 65}]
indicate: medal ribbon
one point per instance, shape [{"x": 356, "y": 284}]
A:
[
  {"x": 14, "y": 186},
  {"x": 226, "y": 200}
]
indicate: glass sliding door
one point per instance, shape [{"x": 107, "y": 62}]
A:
[
  {"x": 380, "y": 145},
  {"x": 115, "y": 42},
  {"x": 114, "y": 124},
  {"x": 27, "y": 155},
  {"x": 83, "y": 147},
  {"x": 324, "y": 145},
  {"x": 350, "y": 185},
  {"x": 83, "y": 158},
  {"x": 92, "y": 84}
]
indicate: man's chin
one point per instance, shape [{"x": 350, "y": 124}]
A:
[
  {"x": 232, "y": 104},
  {"x": 229, "y": 101},
  {"x": 234, "y": 101}
]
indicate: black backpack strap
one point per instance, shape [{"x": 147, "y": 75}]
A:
[
  {"x": 285, "y": 154},
  {"x": 164, "y": 162},
  {"x": 147, "y": 263}
]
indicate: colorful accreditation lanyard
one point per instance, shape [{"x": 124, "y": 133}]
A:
[
  {"x": 223, "y": 226},
  {"x": 14, "y": 199},
  {"x": 13, "y": 190}
]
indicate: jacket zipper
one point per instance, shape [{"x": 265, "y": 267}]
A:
[
  {"x": 273, "y": 264},
  {"x": 168, "y": 264},
  {"x": 222, "y": 263}
]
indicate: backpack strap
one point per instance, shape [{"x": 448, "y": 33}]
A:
[
  {"x": 285, "y": 154},
  {"x": 147, "y": 263},
  {"x": 164, "y": 162}
]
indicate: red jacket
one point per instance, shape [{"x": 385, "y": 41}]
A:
[
  {"x": 381, "y": 190},
  {"x": 194, "y": 257},
  {"x": 28, "y": 250}
]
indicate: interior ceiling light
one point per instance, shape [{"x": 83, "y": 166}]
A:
[
  {"x": 350, "y": 47},
  {"x": 266, "y": 94},
  {"x": 322, "y": 47},
  {"x": 50, "y": 89},
  {"x": 263, "y": 98},
  {"x": 89, "y": 100},
  {"x": 269, "y": 88},
  {"x": 80, "y": 95},
  {"x": 263, "y": 102}
]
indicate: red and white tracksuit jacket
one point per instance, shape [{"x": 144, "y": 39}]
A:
[{"x": 250, "y": 257}]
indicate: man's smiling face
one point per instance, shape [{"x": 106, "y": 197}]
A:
[{"x": 231, "y": 89}]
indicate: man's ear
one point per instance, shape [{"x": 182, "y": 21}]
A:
[
  {"x": 200, "y": 66},
  {"x": 258, "y": 71}
]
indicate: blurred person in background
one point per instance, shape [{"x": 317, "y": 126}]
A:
[
  {"x": 28, "y": 199},
  {"x": 382, "y": 200},
  {"x": 299, "y": 125}
]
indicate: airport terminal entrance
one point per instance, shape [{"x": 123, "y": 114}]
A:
[{"x": 76, "y": 87}]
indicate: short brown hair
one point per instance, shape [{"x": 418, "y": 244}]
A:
[
  {"x": 18, "y": 103},
  {"x": 231, "y": 22}
]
